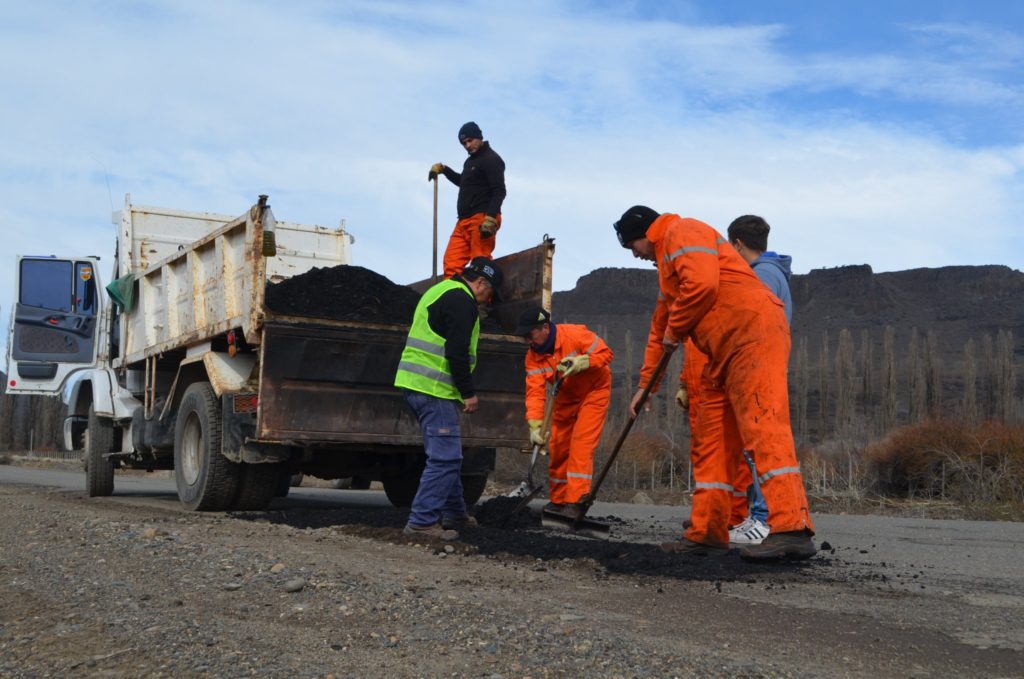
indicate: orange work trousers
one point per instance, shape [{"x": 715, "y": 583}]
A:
[
  {"x": 694, "y": 362},
  {"x": 748, "y": 408},
  {"x": 576, "y": 427},
  {"x": 465, "y": 243}
]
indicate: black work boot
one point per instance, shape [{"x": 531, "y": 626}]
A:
[
  {"x": 795, "y": 545},
  {"x": 687, "y": 547},
  {"x": 459, "y": 522}
]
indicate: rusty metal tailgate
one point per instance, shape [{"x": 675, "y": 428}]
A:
[{"x": 333, "y": 383}]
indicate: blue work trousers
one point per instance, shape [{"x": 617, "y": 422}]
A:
[
  {"x": 755, "y": 498},
  {"x": 440, "y": 492}
]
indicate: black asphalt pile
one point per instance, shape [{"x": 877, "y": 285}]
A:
[
  {"x": 343, "y": 293},
  {"x": 497, "y": 512},
  {"x": 529, "y": 543}
]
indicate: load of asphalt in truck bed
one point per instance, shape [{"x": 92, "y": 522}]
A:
[{"x": 343, "y": 293}]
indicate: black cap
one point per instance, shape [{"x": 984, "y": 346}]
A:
[
  {"x": 534, "y": 317},
  {"x": 634, "y": 224},
  {"x": 483, "y": 267},
  {"x": 470, "y": 131}
]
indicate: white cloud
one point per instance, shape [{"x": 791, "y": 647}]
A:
[{"x": 337, "y": 110}]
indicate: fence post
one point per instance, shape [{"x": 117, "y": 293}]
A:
[{"x": 652, "y": 475}]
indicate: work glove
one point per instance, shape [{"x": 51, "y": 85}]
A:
[
  {"x": 435, "y": 169},
  {"x": 488, "y": 227},
  {"x": 682, "y": 397},
  {"x": 574, "y": 364},
  {"x": 537, "y": 437}
]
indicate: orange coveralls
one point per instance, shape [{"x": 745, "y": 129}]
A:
[
  {"x": 580, "y": 408},
  {"x": 693, "y": 367},
  {"x": 711, "y": 295},
  {"x": 465, "y": 243}
]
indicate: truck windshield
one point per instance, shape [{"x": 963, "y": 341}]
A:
[{"x": 46, "y": 284}]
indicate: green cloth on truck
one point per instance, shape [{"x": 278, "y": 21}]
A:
[{"x": 122, "y": 291}]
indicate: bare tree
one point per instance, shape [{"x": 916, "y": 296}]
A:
[
  {"x": 888, "y": 380},
  {"x": 845, "y": 384},
  {"x": 989, "y": 401},
  {"x": 918, "y": 381},
  {"x": 867, "y": 361},
  {"x": 933, "y": 374},
  {"x": 969, "y": 404},
  {"x": 823, "y": 386},
  {"x": 1006, "y": 378}
]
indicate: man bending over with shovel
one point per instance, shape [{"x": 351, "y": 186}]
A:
[
  {"x": 710, "y": 295},
  {"x": 581, "y": 359}
]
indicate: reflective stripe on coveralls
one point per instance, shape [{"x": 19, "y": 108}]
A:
[
  {"x": 580, "y": 408},
  {"x": 465, "y": 243},
  {"x": 710, "y": 293},
  {"x": 423, "y": 366}
]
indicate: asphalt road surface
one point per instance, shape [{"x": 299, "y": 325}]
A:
[{"x": 885, "y": 596}]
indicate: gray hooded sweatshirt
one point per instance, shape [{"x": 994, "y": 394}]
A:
[{"x": 774, "y": 271}]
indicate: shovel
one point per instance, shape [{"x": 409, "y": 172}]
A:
[
  {"x": 528, "y": 489},
  {"x": 576, "y": 520}
]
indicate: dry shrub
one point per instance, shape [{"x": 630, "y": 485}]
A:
[{"x": 940, "y": 458}]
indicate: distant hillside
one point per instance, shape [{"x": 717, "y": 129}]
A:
[{"x": 954, "y": 304}]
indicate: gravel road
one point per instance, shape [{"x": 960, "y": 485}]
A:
[{"x": 325, "y": 584}]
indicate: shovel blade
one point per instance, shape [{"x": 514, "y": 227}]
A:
[{"x": 584, "y": 526}]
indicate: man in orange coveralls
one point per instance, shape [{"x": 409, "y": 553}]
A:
[
  {"x": 582, "y": 358},
  {"x": 710, "y": 294},
  {"x": 481, "y": 193}
]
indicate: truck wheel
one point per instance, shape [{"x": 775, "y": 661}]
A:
[
  {"x": 472, "y": 488},
  {"x": 99, "y": 470},
  {"x": 401, "y": 489},
  {"x": 284, "y": 484},
  {"x": 206, "y": 480},
  {"x": 352, "y": 483},
  {"x": 295, "y": 480},
  {"x": 257, "y": 486}
]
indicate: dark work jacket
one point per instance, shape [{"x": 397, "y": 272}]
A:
[
  {"x": 481, "y": 184},
  {"x": 453, "y": 316}
]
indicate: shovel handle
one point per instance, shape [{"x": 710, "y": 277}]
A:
[
  {"x": 435, "y": 231},
  {"x": 588, "y": 499}
]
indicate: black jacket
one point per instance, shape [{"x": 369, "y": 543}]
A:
[
  {"x": 481, "y": 184},
  {"x": 453, "y": 316}
]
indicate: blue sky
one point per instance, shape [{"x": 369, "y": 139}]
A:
[{"x": 886, "y": 133}]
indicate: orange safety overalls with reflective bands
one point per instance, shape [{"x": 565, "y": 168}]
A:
[
  {"x": 710, "y": 294},
  {"x": 465, "y": 243},
  {"x": 580, "y": 408}
]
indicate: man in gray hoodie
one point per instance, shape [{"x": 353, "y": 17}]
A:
[{"x": 749, "y": 236}]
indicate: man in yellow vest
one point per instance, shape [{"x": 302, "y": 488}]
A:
[{"x": 436, "y": 375}]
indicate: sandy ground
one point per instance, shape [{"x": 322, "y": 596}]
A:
[{"x": 323, "y": 585}]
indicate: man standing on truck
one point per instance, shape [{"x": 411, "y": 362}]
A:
[
  {"x": 709, "y": 294},
  {"x": 436, "y": 375},
  {"x": 481, "y": 193},
  {"x": 579, "y": 357}
]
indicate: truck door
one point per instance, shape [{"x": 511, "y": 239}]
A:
[{"x": 54, "y": 323}]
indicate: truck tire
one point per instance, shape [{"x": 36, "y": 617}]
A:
[
  {"x": 284, "y": 484},
  {"x": 352, "y": 483},
  {"x": 99, "y": 470},
  {"x": 295, "y": 480},
  {"x": 206, "y": 480},
  {"x": 473, "y": 487},
  {"x": 257, "y": 486},
  {"x": 402, "y": 489}
]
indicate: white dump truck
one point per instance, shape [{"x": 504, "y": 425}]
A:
[{"x": 180, "y": 363}]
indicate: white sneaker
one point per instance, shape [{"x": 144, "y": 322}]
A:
[{"x": 750, "y": 532}]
